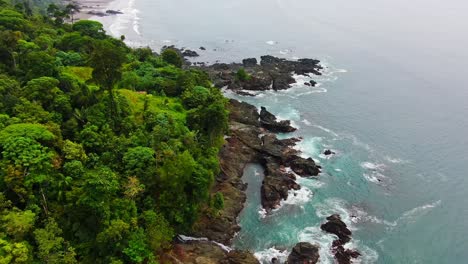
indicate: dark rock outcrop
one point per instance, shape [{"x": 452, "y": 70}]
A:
[
  {"x": 328, "y": 152},
  {"x": 202, "y": 48},
  {"x": 189, "y": 53},
  {"x": 276, "y": 184},
  {"x": 302, "y": 166},
  {"x": 250, "y": 62},
  {"x": 114, "y": 12},
  {"x": 268, "y": 121},
  {"x": 271, "y": 74},
  {"x": 336, "y": 226},
  {"x": 304, "y": 253}
]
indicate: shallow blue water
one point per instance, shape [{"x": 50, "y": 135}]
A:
[{"x": 392, "y": 103}]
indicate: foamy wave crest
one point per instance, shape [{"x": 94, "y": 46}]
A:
[
  {"x": 266, "y": 255},
  {"x": 412, "y": 215},
  {"x": 374, "y": 177},
  {"x": 373, "y": 166},
  {"x": 311, "y": 182},
  {"x": 358, "y": 215},
  {"x": 315, "y": 235},
  {"x": 375, "y": 171},
  {"x": 297, "y": 197},
  {"x": 309, "y": 147},
  {"x": 271, "y": 42},
  {"x": 368, "y": 255},
  {"x": 333, "y": 206},
  {"x": 395, "y": 160},
  {"x": 306, "y": 122}
]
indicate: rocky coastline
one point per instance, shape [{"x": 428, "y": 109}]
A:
[{"x": 252, "y": 139}]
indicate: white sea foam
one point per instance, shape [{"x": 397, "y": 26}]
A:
[
  {"x": 395, "y": 160},
  {"x": 374, "y": 177},
  {"x": 122, "y": 21},
  {"x": 334, "y": 206},
  {"x": 262, "y": 213},
  {"x": 412, "y": 215},
  {"x": 359, "y": 215},
  {"x": 373, "y": 166},
  {"x": 339, "y": 170},
  {"x": 368, "y": 255},
  {"x": 266, "y": 255},
  {"x": 271, "y": 42},
  {"x": 333, "y": 133},
  {"x": 311, "y": 182},
  {"x": 309, "y": 147},
  {"x": 297, "y": 197},
  {"x": 306, "y": 122}
]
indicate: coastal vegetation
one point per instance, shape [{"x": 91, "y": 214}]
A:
[{"x": 106, "y": 152}]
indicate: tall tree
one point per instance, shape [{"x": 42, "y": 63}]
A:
[{"x": 107, "y": 60}]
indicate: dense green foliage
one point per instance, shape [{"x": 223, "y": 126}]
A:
[
  {"x": 242, "y": 75},
  {"x": 106, "y": 152}
]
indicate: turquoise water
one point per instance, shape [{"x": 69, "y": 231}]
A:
[{"x": 392, "y": 103}]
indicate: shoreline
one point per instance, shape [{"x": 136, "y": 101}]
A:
[
  {"x": 252, "y": 140},
  {"x": 90, "y": 9}
]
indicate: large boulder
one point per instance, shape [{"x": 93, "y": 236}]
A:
[
  {"x": 250, "y": 62},
  {"x": 344, "y": 256},
  {"x": 243, "y": 113},
  {"x": 304, "y": 253},
  {"x": 335, "y": 226},
  {"x": 276, "y": 184},
  {"x": 189, "y": 53},
  {"x": 302, "y": 166},
  {"x": 269, "y": 121}
]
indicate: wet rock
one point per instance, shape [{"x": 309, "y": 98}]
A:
[
  {"x": 243, "y": 113},
  {"x": 202, "y": 48},
  {"x": 268, "y": 121},
  {"x": 302, "y": 166},
  {"x": 304, "y": 253},
  {"x": 276, "y": 184},
  {"x": 271, "y": 73},
  {"x": 328, "y": 152},
  {"x": 114, "y": 12},
  {"x": 344, "y": 256},
  {"x": 313, "y": 83},
  {"x": 257, "y": 82},
  {"x": 97, "y": 13},
  {"x": 189, "y": 53},
  {"x": 250, "y": 62},
  {"x": 335, "y": 226},
  {"x": 244, "y": 93},
  {"x": 272, "y": 146},
  {"x": 282, "y": 81}
]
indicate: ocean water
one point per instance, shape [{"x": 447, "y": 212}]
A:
[{"x": 392, "y": 103}]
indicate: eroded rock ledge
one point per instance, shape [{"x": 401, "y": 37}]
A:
[
  {"x": 249, "y": 142},
  {"x": 271, "y": 73}
]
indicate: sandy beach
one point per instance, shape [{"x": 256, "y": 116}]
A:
[{"x": 90, "y": 8}]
